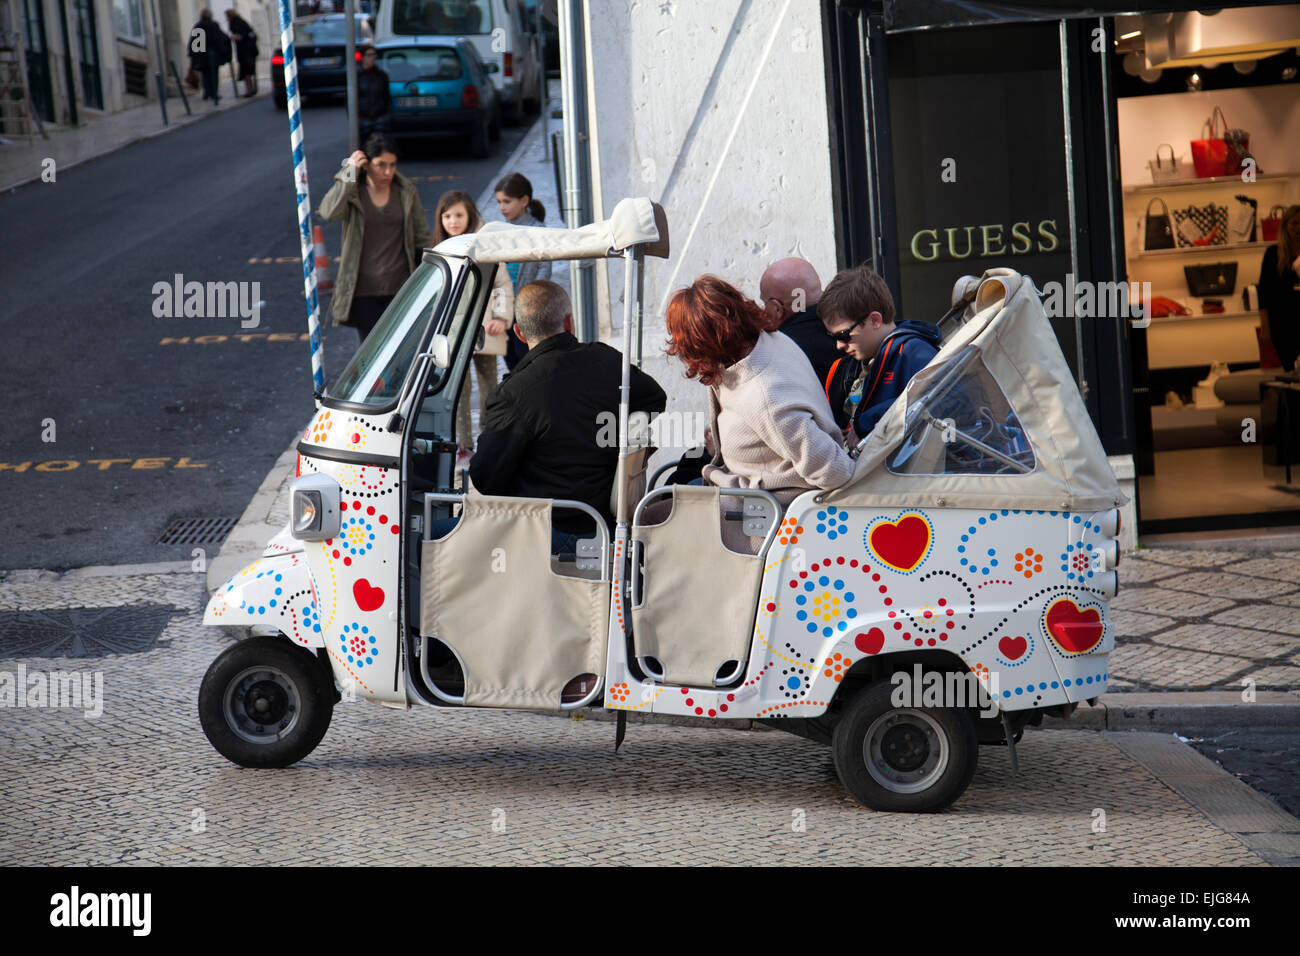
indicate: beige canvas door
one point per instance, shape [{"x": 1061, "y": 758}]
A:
[{"x": 520, "y": 630}]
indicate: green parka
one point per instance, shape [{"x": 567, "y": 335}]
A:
[{"x": 343, "y": 202}]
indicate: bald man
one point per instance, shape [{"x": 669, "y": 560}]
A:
[{"x": 790, "y": 290}]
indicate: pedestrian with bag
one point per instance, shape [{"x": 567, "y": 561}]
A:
[
  {"x": 209, "y": 51},
  {"x": 384, "y": 231},
  {"x": 456, "y": 215},
  {"x": 245, "y": 50},
  {"x": 514, "y": 195}
]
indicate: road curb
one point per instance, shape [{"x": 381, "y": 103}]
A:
[
  {"x": 1263, "y": 827},
  {"x": 1185, "y": 712},
  {"x": 254, "y": 529}
]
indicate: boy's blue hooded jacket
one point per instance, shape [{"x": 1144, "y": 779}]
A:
[{"x": 907, "y": 350}]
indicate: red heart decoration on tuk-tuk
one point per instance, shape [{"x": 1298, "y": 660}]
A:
[
  {"x": 901, "y": 544},
  {"x": 368, "y": 598},
  {"x": 870, "y": 642},
  {"x": 1075, "y": 630},
  {"x": 1012, "y": 647}
]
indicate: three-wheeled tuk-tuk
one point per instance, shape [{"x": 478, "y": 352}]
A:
[{"x": 954, "y": 590}]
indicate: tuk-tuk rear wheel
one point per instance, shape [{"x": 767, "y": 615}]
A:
[
  {"x": 909, "y": 759},
  {"x": 265, "y": 703}
]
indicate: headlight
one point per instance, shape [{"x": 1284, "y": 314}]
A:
[
  {"x": 314, "y": 507},
  {"x": 306, "y": 512}
]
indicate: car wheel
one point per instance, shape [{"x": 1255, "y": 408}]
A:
[
  {"x": 479, "y": 139},
  {"x": 280, "y": 100},
  {"x": 266, "y": 703},
  {"x": 903, "y": 759},
  {"x": 494, "y": 131},
  {"x": 511, "y": 113}
]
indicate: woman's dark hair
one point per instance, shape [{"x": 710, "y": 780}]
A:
[
  {"x": 713, "y": 326},
  {"x": 455, "y": 197},
  {"x": 380, "y": 143},
  {"x": 517, "y": 186}
]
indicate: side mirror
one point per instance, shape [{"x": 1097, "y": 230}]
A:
[
  {"x": 491, "y": 68},
  {"x": 440, "y": 347},
  {"x": 480, "y": 340}
]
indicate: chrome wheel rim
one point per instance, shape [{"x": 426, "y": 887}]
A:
[
  {"x": 906, "y": 751},
  {"x": 261, "y": 704}
]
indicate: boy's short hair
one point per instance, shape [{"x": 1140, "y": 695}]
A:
[{"x": 856, "y": 293}]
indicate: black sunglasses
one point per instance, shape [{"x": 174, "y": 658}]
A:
[{"x": 843, "y": 335}]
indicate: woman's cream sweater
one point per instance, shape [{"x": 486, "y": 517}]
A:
[{"x": 773, "y": 424}]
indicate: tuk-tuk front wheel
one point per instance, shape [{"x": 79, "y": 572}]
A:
[
  {"x": 265, "y": 703},
  {"x": 903, "y": 759}
]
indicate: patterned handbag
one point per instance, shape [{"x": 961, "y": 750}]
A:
[{"x": 1201, "y": 226}]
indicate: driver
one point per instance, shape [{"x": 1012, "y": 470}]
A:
[
  {"x": 881, "y": 355},
  {"x": 543, "y": 427}
]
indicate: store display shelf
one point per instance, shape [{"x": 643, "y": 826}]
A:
[
  {"x": 1204, "y": 315},
  {"x": 1193, "y": 250},
  {"x": 1208, "y": 181}
]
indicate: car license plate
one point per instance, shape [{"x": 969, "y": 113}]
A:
[
  {"x": 321, "y": 61},
  {"x": 417, "y": 101}
]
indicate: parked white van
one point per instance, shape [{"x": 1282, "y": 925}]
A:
[{"x": 502, "y": 32}]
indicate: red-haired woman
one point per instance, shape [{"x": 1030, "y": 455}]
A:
[{"x": 771, "y": 422}]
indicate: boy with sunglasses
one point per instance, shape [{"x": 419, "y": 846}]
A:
[{"x": 881, "y": 356}]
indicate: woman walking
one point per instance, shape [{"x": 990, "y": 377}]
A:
[
  {"x": 514, "y": 195},
  {"x": 384, "y": 229},
  {"x": 456, "y": 215}
]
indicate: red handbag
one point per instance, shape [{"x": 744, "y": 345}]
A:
[
  {"x": 1269, "y": 226},
  {"x": 1210, "y": 156}
]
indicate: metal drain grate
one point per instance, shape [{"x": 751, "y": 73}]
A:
[
  {"x": 198, "y": 530},
  {"x": 82, "y": 631}
]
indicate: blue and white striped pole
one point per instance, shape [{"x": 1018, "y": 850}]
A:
[{"x": 300, "y": 183}]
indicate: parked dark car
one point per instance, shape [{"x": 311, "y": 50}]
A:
[
  {"x": 441, "y": 88},
  {"x": 320, "y": 43}
]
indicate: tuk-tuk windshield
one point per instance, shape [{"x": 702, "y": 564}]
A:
[{"x": 377, "y": 370}]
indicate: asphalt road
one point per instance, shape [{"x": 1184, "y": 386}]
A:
[{"x": 118, "y": 421}]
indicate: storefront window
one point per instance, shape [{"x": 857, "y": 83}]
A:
[{"x": 979, "y": 159}]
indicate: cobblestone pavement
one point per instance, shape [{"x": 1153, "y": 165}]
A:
[
  {"x": 1206, "y": 620},
  {"x": 140, "y": 783}
]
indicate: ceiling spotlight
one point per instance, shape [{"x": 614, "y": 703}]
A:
[
  {"x": 1194, "y": 83},
  {"x": 1245, "y": 67},
  {"x": 1149, "y": 76},
  {"x": 1288, "y": 73}
]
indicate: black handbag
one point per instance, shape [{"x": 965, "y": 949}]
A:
[
  {"x": 1215, "y": 278},
  {"x": 1159, "y": 229}
]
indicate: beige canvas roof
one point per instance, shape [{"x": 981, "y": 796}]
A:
[
  {"x": 633, "y": 222},
  {"x": 1007, "y": 324}
]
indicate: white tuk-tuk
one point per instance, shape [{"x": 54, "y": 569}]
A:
[{"x": 974, "y": 547}]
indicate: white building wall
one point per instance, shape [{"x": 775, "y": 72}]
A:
[{"x": 718, "y": 111}]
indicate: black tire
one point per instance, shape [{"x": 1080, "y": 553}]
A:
[
  {"x": 280, "y": 100},
  {"x": 480, "y": 139},
  {"x": 286, "y": 683},
  {"x": 494, "y": 131},
  {"x": 924, "y": 756}
]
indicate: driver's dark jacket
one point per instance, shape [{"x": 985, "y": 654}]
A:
[{"x": 547, "y": 431}]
